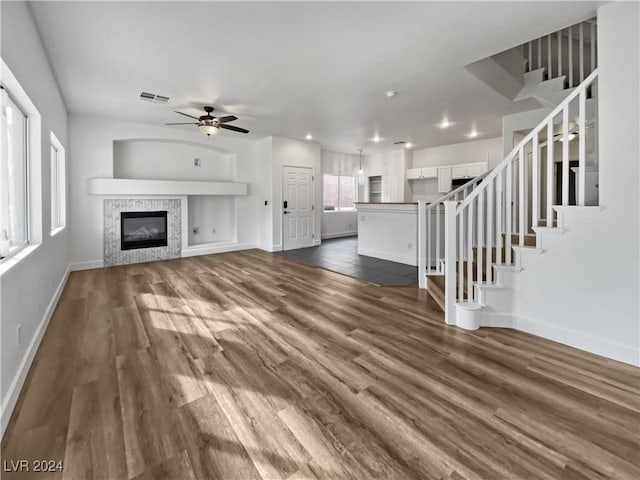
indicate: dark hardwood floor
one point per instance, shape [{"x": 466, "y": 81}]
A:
[{"x": 251, "y": 365}]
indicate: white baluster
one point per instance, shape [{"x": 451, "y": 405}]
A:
[
  {"x": 535, "y": 182},
  {"x": 565, "y": 155},
  {"x": 582, "y": 137},
  {"x": 450, "y": 262},
  {"x": 470, "y": 220},
  {"x": 438, "y": 236},
  {"x": 539, "y": 41},
  {"x": 549, "y": 63},
  {"x": 593, "y": 46},
  {"x": 581, "y": 52},
  {"x": 508, "y": 214},
  {"x": 521, "y": 204},
  {"x": 429, "y": 235},
  {"x": 559, "y": 53},
  {"x": 490, "y": 230},
  {"x": 499, "y": 203},
  {"x": 570, "y": 47},
  {"x": 480, "y": 234},
  {"x": 461, "y": 257},
  {"x": 422, "y": 244},
  {"x": 550, "y": 173}
]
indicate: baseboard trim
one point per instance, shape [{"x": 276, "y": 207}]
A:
[
  {"x": 90, "y": 265},
  {"x": 407, "y": 260},
  {"x": 574, "y": 338},
  {"x": 209, "y": 249},
  {"x": 9, "y": 401},
  {"x": 327, "y": 236}
]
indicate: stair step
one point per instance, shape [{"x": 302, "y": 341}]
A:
[
  {"x": 529, "y": 239},
  {"x": 543, "y": 223}
]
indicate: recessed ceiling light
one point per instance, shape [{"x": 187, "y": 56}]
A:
[
  {"x": 445, "y": 123},
  {"x": 309, "y": 136},
  {"x": 391, "y": 93},
  {"x": 376, "y": 139},
  {"x": 473, "y": 133},
  {"x": 408, "y": 145}
]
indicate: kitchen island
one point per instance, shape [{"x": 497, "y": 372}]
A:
[{"x": 388, "y": 231}]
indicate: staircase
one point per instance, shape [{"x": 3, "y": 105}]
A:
[
  {"x": 473, "y": 240},
  {"x": 506, "y": 215}
]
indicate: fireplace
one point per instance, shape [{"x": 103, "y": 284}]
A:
[{"x": 143, "y": 229}]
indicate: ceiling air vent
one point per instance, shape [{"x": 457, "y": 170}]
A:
[
  {"x": 152, "y": 97},
  {"x": 401, "y": 142}
]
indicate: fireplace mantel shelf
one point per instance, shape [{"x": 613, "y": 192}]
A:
[{"x": 133, "y": 187}]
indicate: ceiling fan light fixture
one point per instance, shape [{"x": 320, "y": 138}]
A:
[{"x": 209, "y": 129}]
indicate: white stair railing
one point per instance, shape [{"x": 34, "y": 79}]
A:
[
  {"x": 431, "y": 228},
  {"x": 570, "y": 52},
  {"x": 514, "y": 197}
]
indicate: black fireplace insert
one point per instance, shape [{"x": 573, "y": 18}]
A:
[{"x": 143, "y": 229}]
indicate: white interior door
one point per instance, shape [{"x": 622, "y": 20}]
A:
[{"x": 297, "y": 212}]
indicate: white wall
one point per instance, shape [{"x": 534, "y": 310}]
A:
[
  {"x": 466, "y": 152},
  {"x": 28, "y": 290},
  {"x": 264, "y": 189},
  {"x": 214, "y": 217},
  {"x": 339, "y": 224},
  {"x": 171, "y": 160},
  {"x": 389, "y": 232},
  {"x": 583, "y": 290},
  {"x": 290, "y": 152},
  {"x": 93, "y": 156}
]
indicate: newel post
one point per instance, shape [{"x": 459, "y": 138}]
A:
[
  {"x": 450, "y": 262},
  {"x": 422, "y": 244}
]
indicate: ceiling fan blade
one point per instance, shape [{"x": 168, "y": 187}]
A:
[
  {"x": 228, "y": 118},
  {"x": 235, "y": 129},
  {"x": 187, "y": 115},
  {"x": 186, "y": 123}
]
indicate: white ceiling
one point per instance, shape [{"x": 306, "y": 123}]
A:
[{"x": 290, "y": 68}]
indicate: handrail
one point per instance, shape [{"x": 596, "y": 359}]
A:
[
  {"x": 453, "y": 193},
  {"x": 494, "y": 173}
]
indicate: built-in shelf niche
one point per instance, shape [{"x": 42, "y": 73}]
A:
[
  {"x": 211, "y": 220},
  {"x": 375, "y": 189}
]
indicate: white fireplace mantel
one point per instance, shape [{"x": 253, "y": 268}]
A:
[{"x": 132, "y": 187}]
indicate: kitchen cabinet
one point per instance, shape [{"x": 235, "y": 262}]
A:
[
  {"x": 469, "y": 170},
  {"x": 418, "y": 173}
]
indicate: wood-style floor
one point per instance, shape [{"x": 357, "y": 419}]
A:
[{"x": 251, "y": 365}]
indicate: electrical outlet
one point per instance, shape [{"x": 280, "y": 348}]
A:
[
  {"x": 213, "y": 230},
  {"x": 409, "y": 245},
  {"x": 196, "y": 230},
  {"x": 19, "y": 334},
  {"x": 196, "y": 162},
  {"x": 350, "y": 226}
]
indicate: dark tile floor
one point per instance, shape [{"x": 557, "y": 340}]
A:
[{"x": 341, "y": 255}]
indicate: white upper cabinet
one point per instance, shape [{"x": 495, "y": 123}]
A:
[
  {"x": 469, "y": 170},
  {"x": 413, "y": 173},
  {"x": 418, "y": 173}
]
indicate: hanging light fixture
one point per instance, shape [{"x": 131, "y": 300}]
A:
[{"x": 360, "y": 171}]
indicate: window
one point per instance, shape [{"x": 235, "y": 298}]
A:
[
  {"x": 58, "y": 203},
  {"x": 14, "y": 233},
  {"x": 339, "y": 192}
]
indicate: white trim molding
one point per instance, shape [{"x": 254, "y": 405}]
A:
[{"x": 209, "y": 248}]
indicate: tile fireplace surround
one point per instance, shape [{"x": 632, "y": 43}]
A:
[{"x": 112, "y": 208}]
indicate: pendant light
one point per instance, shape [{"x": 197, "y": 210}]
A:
[{"x": 361, "y": 177}]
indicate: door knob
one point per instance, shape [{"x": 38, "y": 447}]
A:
[{"x": 285, "y": 212}]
